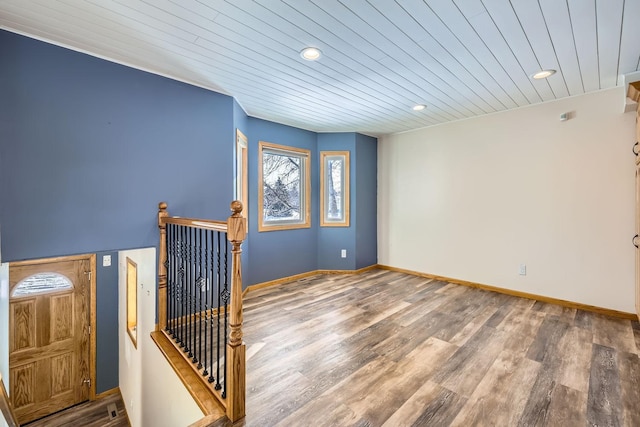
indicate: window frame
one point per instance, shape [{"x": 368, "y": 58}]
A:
[
  {"x": 325, "y": 156},
  {"x": 242, "y": 169},
  {"x": 305, "y": 187},
  {"x": 132, "y": 301}
]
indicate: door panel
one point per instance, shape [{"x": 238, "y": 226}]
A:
[{"x": 49, "y": 335}]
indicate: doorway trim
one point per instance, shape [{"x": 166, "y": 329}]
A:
[{"x": 92, "y": 307}]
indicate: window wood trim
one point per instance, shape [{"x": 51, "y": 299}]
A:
[
  {"x": 306, "y": 210},
  {"x": 242, "y": 178},
  {"x": 132, "y": 306},
  {"x": 345, "y": 188}
]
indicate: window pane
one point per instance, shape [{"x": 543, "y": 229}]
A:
[
  {"x": 281, "y": 186},
  {"x": 334, "y": 189},
  {"x": 42, "y": 283}
]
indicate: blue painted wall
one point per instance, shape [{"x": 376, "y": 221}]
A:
[
  {"x": 107, "y": 322},
  {"x": 365, "y": 181},
  {"x": 331, "y": 240},
  {"x": 88, "y": 149},
  {"x": 277, "y": 254}
]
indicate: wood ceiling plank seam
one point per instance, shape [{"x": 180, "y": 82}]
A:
[
  {"x": 113, "y": 40},
  {"x": 535, "y": 28},
  {"x": 263, "y": 79},
  {"x": 609, "y": 23},
  {"x": 374, "y": 65},
  {"x": 425, "y": 81},
  {"x": 124, "y": 13},
  {"x": 204, "y": 36},
  {"x": 415, "y": 33},
  {"x": 506, "y": 23},
  {"x": 403, "y": 56},
  {"x": 64, "y": 35},
  {"x": 560, "y": 28},
  {"x": 438, "y": 101},
  {"x": 388, "y": 100},
  {"x": 583, "y": 21},
  {"x": 302, "y": 101},
  {"x": 330, "y": 122},
  {"x": 524, "y": 85},
  {"x": 72, "y": 44},
  {"x": 630, "y": 35},
  {"x": 449, "y": 16},
  {"x": 490, "y": 34},
  {"x": 454, "y": 47},
  {"x": 391, "y": 100},
  {"x": 178, "y": 42}
]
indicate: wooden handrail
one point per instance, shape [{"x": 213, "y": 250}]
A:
[
  {"x": 206, "y": 224},
  {"x": 6, "y": 408},
  {"x": 235, "y": 227}
]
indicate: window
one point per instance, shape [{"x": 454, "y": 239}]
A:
[
  {"x": 41, "y": 283},
  {"x": 242, "y": 182},
  {"x": 334, "y": 188},
  {"x": 132, "y": 300},
  {"x": 284, "y": 187}
]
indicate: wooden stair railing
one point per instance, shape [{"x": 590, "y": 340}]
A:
[
  {"x": 188, "y": 272},
  {"x": 6, "y": 408}
]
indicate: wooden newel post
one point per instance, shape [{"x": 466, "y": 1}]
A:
[
  {"x": 162, "y": 268},
  {"x": 235, "y": 362}
]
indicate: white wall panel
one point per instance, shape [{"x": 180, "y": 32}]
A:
[{"x": 474, "y": 199}]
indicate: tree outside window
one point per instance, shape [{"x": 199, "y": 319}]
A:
[{"x": 284, "y": 187}]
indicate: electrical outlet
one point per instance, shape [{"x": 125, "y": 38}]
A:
[
  {"x": 343, "y": 253},
  {"x": 522, "y": 270},
  {"x": 106, "y": 261}
]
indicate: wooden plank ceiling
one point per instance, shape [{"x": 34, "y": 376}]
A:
[{"x": 461, "y": 58}]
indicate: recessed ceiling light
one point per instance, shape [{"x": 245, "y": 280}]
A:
[
  {"x": 543, "y": 74},
  {"x": 419, "y": 107},
  {"x": 310, "y": 53}
]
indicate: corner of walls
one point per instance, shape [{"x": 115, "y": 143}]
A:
[
  {"x": 282, "y": 253},
  {"x": 332, "y": 240},
  {"x": 366, "y": 213},
  {"x": 106, "y": 322},
  {"x": 152, "y": 392}
]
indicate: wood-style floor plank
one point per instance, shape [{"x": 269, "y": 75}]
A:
[
  {"x": 384, "y": 348},
  {"x": 88, "y": 414}
]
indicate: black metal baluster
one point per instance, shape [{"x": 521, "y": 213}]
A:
[
  {"x": 218, "y": 289},
  {"x": 225, "y": 301},
  {"x": 167, "y": 265},
  {"x": 189, "y": 293},
  {"x": 205, "y": 273},
  {"x": 212, "y": 267},
  {"x": 197, "y": 355},
  {"x": 183, "y": 308}
]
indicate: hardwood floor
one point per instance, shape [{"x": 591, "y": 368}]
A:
[
  {"x": 88, "y": 414},
  {"x": 389, "y": 349}
]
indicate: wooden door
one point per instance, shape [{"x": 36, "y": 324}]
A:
[{"x": 49, "y": 335}]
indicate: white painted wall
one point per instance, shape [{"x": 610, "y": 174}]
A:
[
  {"x": 4, "y": 329},
  {"x": 152, "y": 392},
  {"x": 474, "y": 199}
]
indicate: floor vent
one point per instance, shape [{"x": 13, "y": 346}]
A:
[{"x": 112, "y": 410}]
